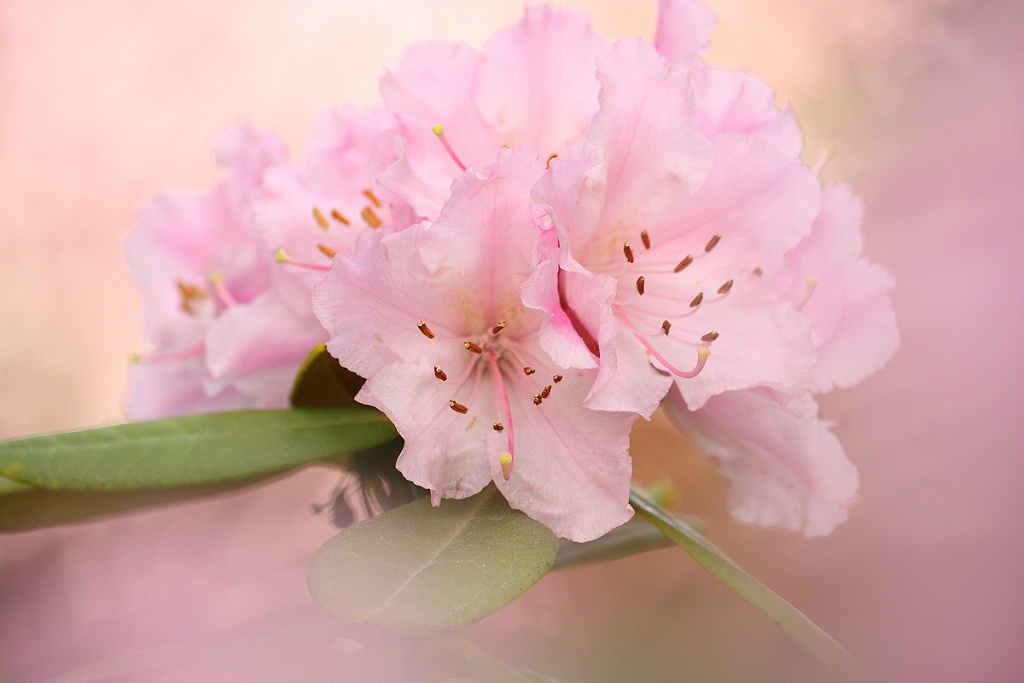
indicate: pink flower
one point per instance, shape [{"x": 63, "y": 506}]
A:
[
  {"x": 434, "y": 319},
  {"x": 195, "y": 257}
]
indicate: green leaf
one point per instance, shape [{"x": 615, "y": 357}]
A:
[
  {"x": 420, "y": 570},
  {"x": 8, "y": 486},
  {"x": 633, "y": 537},
  {"x": 323, "y": 383},
  {"x": 191, "y": 450},
  {"x": 793, "y": 622},
  {"x": 32, "y": 508}
]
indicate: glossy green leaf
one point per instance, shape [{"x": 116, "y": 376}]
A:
[
  {"x": 421, "y": 570},
  {"x": 323, "y": 383},
  {"x": 191, "y": 450},
  {"x": 793, "y": 622}
]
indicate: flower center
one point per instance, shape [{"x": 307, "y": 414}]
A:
[{"x": 510, "y": 369}]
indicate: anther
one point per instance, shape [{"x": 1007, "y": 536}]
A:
[
  {"x": 640, "y": 285},
  {"x": 498, "y": 427},
  {"x": 646, "y": 239},
  {"x": 697, "y": 299},
  {"x": 546, "y": 392},
  {"x": 190, "y": 294},
  {"x": 556, "y": 378},
  {"x": 440, "y": 374},
  {"x": 724, "y": 289},
  {"x": 326, "y": 250},
  {"x": 471, "y": 347},
  {"x": 812, "y": 283},
  {"x": 709, "y": 337},
  {"x": 368, "y": 193},
  {"x": 424, "y": 329},
  {"x": 499, "y": 327},
  {"x": 320, "y": 220},
  {"x": 337, "y": 215},
  {"x": 666, "y": 326},
  {"x": 627, "y": 251},
  {"x": 506, "y": 465},
  {"x": 758, "y": 272},
  {"x": 537, "y": 399},
  {"x": 684, "y": 263},
  {"x": 528, "y": 370},
  {"x": 457, "y": 407},
  {"x": 548, "y": 164},
  {"x": 439, "y": 132},
  {"x": 713, "y": 242},
  {"x": 372, "y": 219}
]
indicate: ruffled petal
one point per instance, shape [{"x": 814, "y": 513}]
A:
[
  {"x": 682, "y": 32},
  {"x": 785, "y": 467}
]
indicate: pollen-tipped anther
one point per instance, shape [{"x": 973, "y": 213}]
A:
[
  {"x": 709, "y": 337},
  {"x": 537, "y": 399},
  {"x": 458, "y": 407},
  {"x": 471, "y": 347},
  {"x": 320, "y": 220},
  {"x": 713, "y": 242},
  {"x": 371, "y": 218},
  {"x": 646, "y": 239},
  {"x": 499, "y": 327},
  {"x": 640, "y": 285},
  {"x": 327, "y": 251},
  {"x": 338, "y": 216},
  {"x": 684, "y": 263},
  {"x": 528, "y": 370},
  {"x": 666, "y": 326},
  {"x": 440, "y": 374},
  {"x": 556, "y": 378},
  {"x": 546, "y": 391},
  {"x": 628, "y": 251},
  {"x": 498, "y": 427},
  {"x": 724, "y": 289},
  {"x": 422, "y": 325},
  {"x": 695, "y": 302},
  {"x": 368, "y": 193}
]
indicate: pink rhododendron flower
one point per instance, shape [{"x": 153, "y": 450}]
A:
[
  {"x": 195, "y": 257},
  {"x": 434, "y": 319}
]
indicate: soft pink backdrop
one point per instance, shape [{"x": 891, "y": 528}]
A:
[{"x": 103, "y": 102}]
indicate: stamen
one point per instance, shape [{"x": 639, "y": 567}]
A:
[
  {"x": 424, "y": 329},
  {"x": 627, "y": 251},
  {"x": 684, "y": 263},
  {"x": 220, "y": 289},
  {"x": 327, "y": 251},
  {"x": 457, "y": 407},
  {"x": 556, "y": 378},
  {"x": 528, "y": 370},
  {"x": 537, "y": 399},
  {"x": 471, "y": 347},
  {"x": 812, "y": 284},
  {"x": 696, "y": 300},
  {"x": 368, "y": 193},
  {"x": 646, "y": 239},
  {"x": 282, "y": 257},
  {"x": 709, "y": 337},
  {"x": 190, "y": 295},
  {"x": 758, "y": 272},
  {"x": 499, "y": 327},
  {"x": 702, "y": 351},
  {"x": 337, "y": 215},
  {"x": 713, "y": 242},
  {"x": 508, "y": 457},
  {"x": 439, "y": 132},
  {"x": 372, "y": 219},
  {"x": 666, "y": 326},
  {"x": 320, "y": 220},
  {"x": 169, "y": 357},
  {"x": 548, "y": 164},
  {"x": 546, "y": 392},
  {"x": 724, "y": 289},
  {"x": 640, "y": 285},
  {"x": 498, "y": 427},
  {"x": 440, "y": 374}
]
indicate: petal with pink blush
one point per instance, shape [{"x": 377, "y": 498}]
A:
[
  {"x": 785, "y": 467},
  {"x": 682, "y": 31}
]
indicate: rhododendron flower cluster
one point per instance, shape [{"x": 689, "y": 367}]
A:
[{"x": 525, "y": 249}]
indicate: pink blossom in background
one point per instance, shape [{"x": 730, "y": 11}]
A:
[{"x": 922, "y": 583}]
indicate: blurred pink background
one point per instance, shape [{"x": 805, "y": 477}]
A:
[{"x": 103, "y": 102}]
